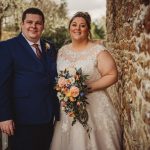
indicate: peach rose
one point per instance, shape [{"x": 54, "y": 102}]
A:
[
  {"x": 74, "y": 91},
  {"x": 61, "y": 82}
]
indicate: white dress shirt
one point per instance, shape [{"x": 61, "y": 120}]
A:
[{"x": 31, "y": 43}]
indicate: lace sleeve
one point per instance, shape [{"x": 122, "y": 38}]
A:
[
  {"x": 99, "y": 48},
  {"x": 61, "y": 51}
]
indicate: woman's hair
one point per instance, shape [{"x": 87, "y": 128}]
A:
[
  {"x": 85, "y": 16},
  {"x": 33, "y": 11}
]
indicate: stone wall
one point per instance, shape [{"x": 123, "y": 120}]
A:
[{"x": 128, "y": 38}]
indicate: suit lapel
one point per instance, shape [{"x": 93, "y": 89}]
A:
[
  {"x": 27, "y": 47},
  {"x": 44, "y": 60}
]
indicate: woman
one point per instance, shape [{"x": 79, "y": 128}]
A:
[{"x": 96, "y": 62}]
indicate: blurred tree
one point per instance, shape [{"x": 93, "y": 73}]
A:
[
  {"x": 10, "y": 14},
  {"x": 4, "y": 7},
  {"x": 59, "y": 37},
  {"x": 56, "y": 20},
  {"x": 55, "y": 17}
]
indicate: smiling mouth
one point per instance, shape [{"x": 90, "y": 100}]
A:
[
  {"x": 77, "y": 33},
  {"x": 33, "y": 30},
  {"x": 34, "y": 33}
]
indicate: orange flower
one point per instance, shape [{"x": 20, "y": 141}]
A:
[
  {"x": 68, "y": 94},
  {"x": 68, "y": 81},
  {"x": 64, "y": 90},
  {"x": 57, "y": 88},
  {"x": 71, "y": 99},
  {"x": 71, "y": 114}
]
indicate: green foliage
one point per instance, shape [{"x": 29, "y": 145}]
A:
[
  {"x": 55, "y": 18},
  {"x": 59, "y": 37},
  {"x": 98, "y": 32}
]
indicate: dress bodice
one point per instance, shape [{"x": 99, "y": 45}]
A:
[{"x": 85, "y": 59}]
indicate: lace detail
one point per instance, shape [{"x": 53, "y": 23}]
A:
[
  {"x": 106, "y": 132},
  {"x": 84, "y": 59}
]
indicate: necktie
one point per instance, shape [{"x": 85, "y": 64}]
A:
[{"x": 38, "y": 52}]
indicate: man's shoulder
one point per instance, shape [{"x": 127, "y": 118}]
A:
[
  {"x": 9, "y": 45},
  {"x": 8, "y": 41}
]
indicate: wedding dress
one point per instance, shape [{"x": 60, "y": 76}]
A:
[{"x": 105, "y": 131}]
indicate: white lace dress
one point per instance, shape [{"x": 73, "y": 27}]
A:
[{"x": 106, "y": 132}]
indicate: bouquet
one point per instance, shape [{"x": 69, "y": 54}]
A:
[{"x": 71, "y": 92}]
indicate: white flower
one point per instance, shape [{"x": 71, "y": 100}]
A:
[
  {"x": 47, "y": 46},
  {"x": 65, "y": 99},
  {"x": 59, "y": 95},
  {"x": 72, "y": 80}
]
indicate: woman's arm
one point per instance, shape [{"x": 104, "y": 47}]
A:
[{"x": 108, "y": 71}]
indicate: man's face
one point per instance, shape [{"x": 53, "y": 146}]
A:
[{"x": 32, "y": 27}]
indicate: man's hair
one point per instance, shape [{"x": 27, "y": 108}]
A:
[{"x": 33, "y": 11}]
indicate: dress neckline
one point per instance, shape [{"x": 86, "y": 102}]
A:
[{"x": 85, "y": 50}]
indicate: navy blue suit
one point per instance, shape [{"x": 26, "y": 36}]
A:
[{"x": 27, "y": 93}]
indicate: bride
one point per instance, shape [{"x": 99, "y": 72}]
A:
[{"x": 96, "y": 62}]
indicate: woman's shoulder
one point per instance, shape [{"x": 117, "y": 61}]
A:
[
  {"x": 64, "y": 48},
  {"x": 97, "y": 48}
]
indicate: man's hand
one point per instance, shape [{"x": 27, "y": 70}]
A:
[{"x": 7, "y": 127}]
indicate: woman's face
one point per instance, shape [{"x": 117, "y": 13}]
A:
[{"x": 79, "y": 29}]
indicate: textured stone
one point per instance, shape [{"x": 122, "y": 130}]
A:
[
  {"x": 145, "y": 2},
  {"x": 146, "y": 114},
  {"x": 147, "y": 21},
  {"x": 130, "y": 46},
  {"x": 145, "y": 89},
  {"x": 128, "y": 10}
]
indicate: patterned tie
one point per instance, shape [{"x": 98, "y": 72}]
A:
[{"x": 38, "y": 52}]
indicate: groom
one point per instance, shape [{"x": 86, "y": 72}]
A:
[{"x": 28, "y": 102}]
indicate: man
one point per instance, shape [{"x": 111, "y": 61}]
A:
[{"x": 28, "y": 101}]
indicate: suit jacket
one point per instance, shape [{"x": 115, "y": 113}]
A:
[{"x": 26, "y": 83}]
